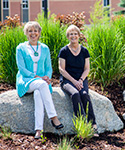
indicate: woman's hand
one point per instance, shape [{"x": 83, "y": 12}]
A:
[
  {"x": 78, "y": 84},
  {"x": 45, "y": 78}
]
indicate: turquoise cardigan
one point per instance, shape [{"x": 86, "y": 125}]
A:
[{"x": 25, "y": 63}]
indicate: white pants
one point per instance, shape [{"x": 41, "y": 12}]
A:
[{"x": 42, "y": 98}]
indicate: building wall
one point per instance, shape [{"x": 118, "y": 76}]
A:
[
  {"x": 34, "y": 9},
  {"x": 56, "y": 7},
  {"x": 67, "y": 7},
  {"x": 114, "y": 5},
  {"x": 15, "y": 8}
]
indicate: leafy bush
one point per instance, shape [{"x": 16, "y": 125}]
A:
[
  {"x": 11, "y": 22},
  {"x": 54, "y": 36},
  {"x": 107, "y": 51},
  {"x": 118, "y": 22},
  {"x": 9, "y": 39},
  {"x": 76, "y": 19},
  {"x": 98, "y": 14}
]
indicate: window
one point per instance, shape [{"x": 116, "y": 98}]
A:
[
  {"x": 5, "y": 9},
  {"x": 5, "y": 4},
  {"x": 106, "y": 2},
  {"x": 24, "y": 16},
  {"x": 25, "y": 4},
  {"x": 43, "y": 4}
]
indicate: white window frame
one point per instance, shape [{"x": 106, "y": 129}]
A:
[
  {"x": 107, "y": 5},
  {"x": 43, "y": 4},
  {"x": 106, "y": 1},
  {"x": 6, "y": 1},
  {"x": 25, "y": 6}
]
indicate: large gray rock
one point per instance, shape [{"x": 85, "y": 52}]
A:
[
  {"x": 18, "y": 113},
  {"x": 124, "y": 95}
]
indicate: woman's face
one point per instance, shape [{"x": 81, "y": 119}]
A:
[
  {"x": 33, "y": 35},
  {"x": 73, "y": 36}
]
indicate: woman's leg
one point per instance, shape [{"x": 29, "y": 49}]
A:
[
  {"x": 75, "y": 96},
  {"x": 42, "y": 97},
  {"x": 86, "y": 99}
]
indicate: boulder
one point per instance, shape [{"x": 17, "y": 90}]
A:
[
  {"x": 18, "y": 113},
  {"x": 124, "y": 95}
]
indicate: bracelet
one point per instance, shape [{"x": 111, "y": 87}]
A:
[{"x": 81, "y": 79}]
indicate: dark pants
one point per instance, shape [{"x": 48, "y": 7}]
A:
[{"x": 79, "y": 98}]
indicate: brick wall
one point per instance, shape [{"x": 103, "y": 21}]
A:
[
  {"x": 34, "y": 10},
  {"x": 67, "y": 7},
  {"x": 114, "y": 5},
  {"x": 14, "y": 8}
]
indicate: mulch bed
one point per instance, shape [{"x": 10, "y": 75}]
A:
[{"x": 106, "y": 141}]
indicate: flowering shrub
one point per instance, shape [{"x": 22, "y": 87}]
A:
[
  {"x": 76, "y": 19},
  {"x": 11, "y": 22}
]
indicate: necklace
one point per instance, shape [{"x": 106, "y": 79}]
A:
[
  {"x": 75, "y": 51},
  {"x": 35, "y": 52}
]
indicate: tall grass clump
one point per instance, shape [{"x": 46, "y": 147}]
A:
[
  {"x": 54, "y": 36},
  {"x": 118, "y": 22},
  {"x": 107, "y": 51},
  {"x": 9, "y": 39},
  {"x": 5, "y": 132},
  {"x": 65, "y": 144},
  {"x": 82, "y": 127}
]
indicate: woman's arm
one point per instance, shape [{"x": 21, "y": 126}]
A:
[
  {"x": 86, "y": 70},
  {"x": 21, "y": 64},
  {"x": 67, "y": 75}
]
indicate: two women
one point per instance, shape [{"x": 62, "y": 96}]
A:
[
  {"x": 74, "y": 69},
  {"x": 34, "y": 64},
  {"x": 34, "y": 75}
]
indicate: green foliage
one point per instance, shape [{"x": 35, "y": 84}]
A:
[
  {"x": 11, "y": 22},
  {"x": 107, "y": 51},
  {"x": 99, "y": 14},
  {"x": 65, "y": 145},
  {"x": 82, "y": 127},
  {"x": 121, "y": 4},
  {"x": 9, "y": 39},
  {"x": 43, "y": 139},
  {"x": 76, "y": 19},
  {"x": 54, "y": 36},
  {"x": 118, "y": 22},
  {"x": 5, "y": 132}
]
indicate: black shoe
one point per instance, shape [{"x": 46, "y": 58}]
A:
[{"x": 57, "y": 127}]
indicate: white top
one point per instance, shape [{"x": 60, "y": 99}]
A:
[{"x": 34, "y": 58}]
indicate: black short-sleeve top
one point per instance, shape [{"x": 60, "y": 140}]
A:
[{"x": 74, "y": 64}]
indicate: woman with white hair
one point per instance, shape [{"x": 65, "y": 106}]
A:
[
  {"x": 34, "y": 75},
  {"x": 74, "y": 69}
]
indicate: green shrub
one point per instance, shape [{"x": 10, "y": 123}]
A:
[
  {"x": 5, "y": 132},
  {"x": 65, "y": 145},
  {"x": 107, "y": 51},
  {"x": 54, "y": 36},
  {"x": 82, "y": 127},
  {"x": 9, "y": 39},
  {"x": 118, "y": 22}
]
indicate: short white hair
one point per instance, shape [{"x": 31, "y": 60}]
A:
[
  {"x": 72, "y": 27},
  {"x": 30, "y": 24}
]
